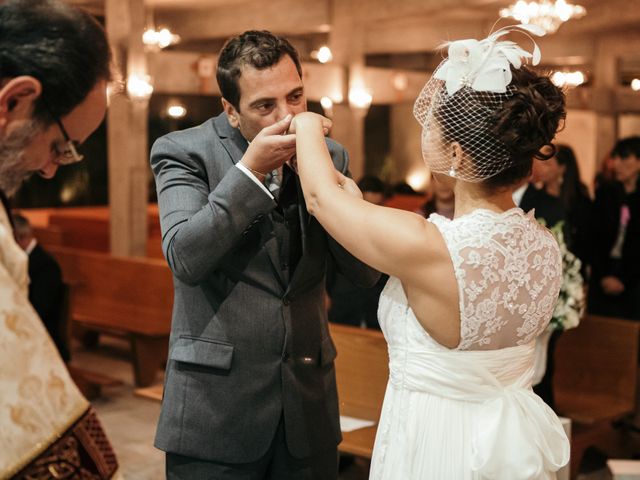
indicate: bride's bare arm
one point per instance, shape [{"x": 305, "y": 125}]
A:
[{"x": 392, "y": 241}]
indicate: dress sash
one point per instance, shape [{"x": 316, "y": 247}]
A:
[{"x": 517, "y": 436}]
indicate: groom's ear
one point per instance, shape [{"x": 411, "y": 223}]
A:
[{"x": 232, "y": 113}]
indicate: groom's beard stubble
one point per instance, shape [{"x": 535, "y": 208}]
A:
[{"x": 13, "y": 168}]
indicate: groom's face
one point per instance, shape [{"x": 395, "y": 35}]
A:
[{"x": 267, "y": 96}]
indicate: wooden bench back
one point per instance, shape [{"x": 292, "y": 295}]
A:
[
  {"x": 50, "y": 236},
  {"x": 119, "y": 293},
  {"x": 597, "y": 363},
  {"x": 411, "y": 203},
  {"x": 86, "y": 228},
  {"x": 88, "y": 233},
  {"x": 362, "y": 370}
]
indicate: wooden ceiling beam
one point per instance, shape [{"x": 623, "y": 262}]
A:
[{"x": 284, "y": 17}]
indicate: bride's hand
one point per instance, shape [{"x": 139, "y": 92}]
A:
[
  {"x": 348, "y": 185},
  {"x": 311, "y": 119}
]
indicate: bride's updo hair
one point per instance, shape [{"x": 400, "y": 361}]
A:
[
  {"x": 527, "y": 123},
  {"x": 500, "y": 113},
  {"x": 506, "y": 133}
]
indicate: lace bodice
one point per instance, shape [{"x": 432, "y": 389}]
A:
[{"x": 508, "y": 268}]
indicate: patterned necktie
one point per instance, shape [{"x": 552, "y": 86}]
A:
[{"x": 273, "y": 181}]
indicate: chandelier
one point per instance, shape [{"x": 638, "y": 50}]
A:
[{"x": 547, "y": 14}]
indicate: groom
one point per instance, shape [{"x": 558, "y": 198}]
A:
[{"x": 250, "y": 386}]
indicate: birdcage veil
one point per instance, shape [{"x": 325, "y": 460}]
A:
[{"x": 460, "y": 100}]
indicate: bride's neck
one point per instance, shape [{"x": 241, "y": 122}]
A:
[{"x": 471, "y": 196}]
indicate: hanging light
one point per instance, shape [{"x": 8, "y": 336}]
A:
[
  {"x": 159, "y": 38},
  {"x": 547, "y": 14},
  {"x": 176, "y": 111},
  {"x": 418, "y": 179},
  {"x": 400, "y": 81},
  {"x": 568, "y": 79},
  {"x": 360, "y": 99},
  {"x": 139, "y": 87},
  {"x": 323, "y": 54},
  {"x": 326, "y": 103},
  {"x": 327, "y": 106}
]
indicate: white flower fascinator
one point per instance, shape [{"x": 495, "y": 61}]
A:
[
  {"x": 485, "y": 65},
  {"x": 463, "y": 93}
]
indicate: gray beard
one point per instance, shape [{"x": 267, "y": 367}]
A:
[{"x": 13, "y": 170}]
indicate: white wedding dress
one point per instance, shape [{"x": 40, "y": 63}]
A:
[{"x": 469, "y": 412}]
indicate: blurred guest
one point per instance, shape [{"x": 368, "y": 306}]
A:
[
  {"x": 373, "y": 189},
  {"x": 46, "y": 288},
  {"x": 532, "y": 196},
  {"x": 403, "y": 188},
  {"x": 561, "y": 179},
  {"x": 606, "y": 173},
  {"x": 615, "y": 279},
  {"x": 350, "y": 303},
  {"x": 441, "y": 202}
]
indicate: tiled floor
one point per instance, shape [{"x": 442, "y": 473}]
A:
[{"x": 130, "y": 421}]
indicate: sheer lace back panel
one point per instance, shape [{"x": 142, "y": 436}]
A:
[{"x": 508, "y": 269}]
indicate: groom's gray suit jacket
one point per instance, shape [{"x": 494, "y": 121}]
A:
[{"x": 249, "y": 340}]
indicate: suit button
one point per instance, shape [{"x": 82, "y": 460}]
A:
[
  {"x": 285, "y": 266},
  {"x": 285, "y": 356},
  {"x": 286, "y": 301}
]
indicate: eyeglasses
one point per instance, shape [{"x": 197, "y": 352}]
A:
[{"x": 69, "y": 154}]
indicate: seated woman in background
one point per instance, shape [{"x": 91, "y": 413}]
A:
[{"x": 441, "y": 202}]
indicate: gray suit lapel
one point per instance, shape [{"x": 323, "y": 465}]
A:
[
  {"x": 231, "y": 138},
  {"x": 236, "y": 145}
]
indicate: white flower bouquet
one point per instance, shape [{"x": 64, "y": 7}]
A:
[
  {"x": 569, "y": 307},
  {"x": 571, "y": 300}
]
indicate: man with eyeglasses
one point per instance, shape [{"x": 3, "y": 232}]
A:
[{"x": 54, "y": 66}]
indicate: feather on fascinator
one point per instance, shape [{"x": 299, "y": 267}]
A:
[
  {"x": 484, "y": 65},
  {"x": 463, "y": 92}
]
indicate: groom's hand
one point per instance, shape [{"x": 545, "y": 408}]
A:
[{"x": 270, "y": 148}]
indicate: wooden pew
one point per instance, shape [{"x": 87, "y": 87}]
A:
[
  {"x": 412, "y": 203},
  {"x": 362, "y": 370},
  {"x": 50, "y": 236},
  {"x": 86, "y": 228},
  {"x": 595, "y": 380},
  {"x": 89, "y": 231},
  {"x": 127, "y": 296}
]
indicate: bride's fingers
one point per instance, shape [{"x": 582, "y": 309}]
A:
[{"x": 327, "y": 124}]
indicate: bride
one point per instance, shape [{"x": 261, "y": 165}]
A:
[{"x": 467, "y": 297}]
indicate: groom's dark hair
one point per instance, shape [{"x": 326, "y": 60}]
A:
[{"x": 259, "y": 49}]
